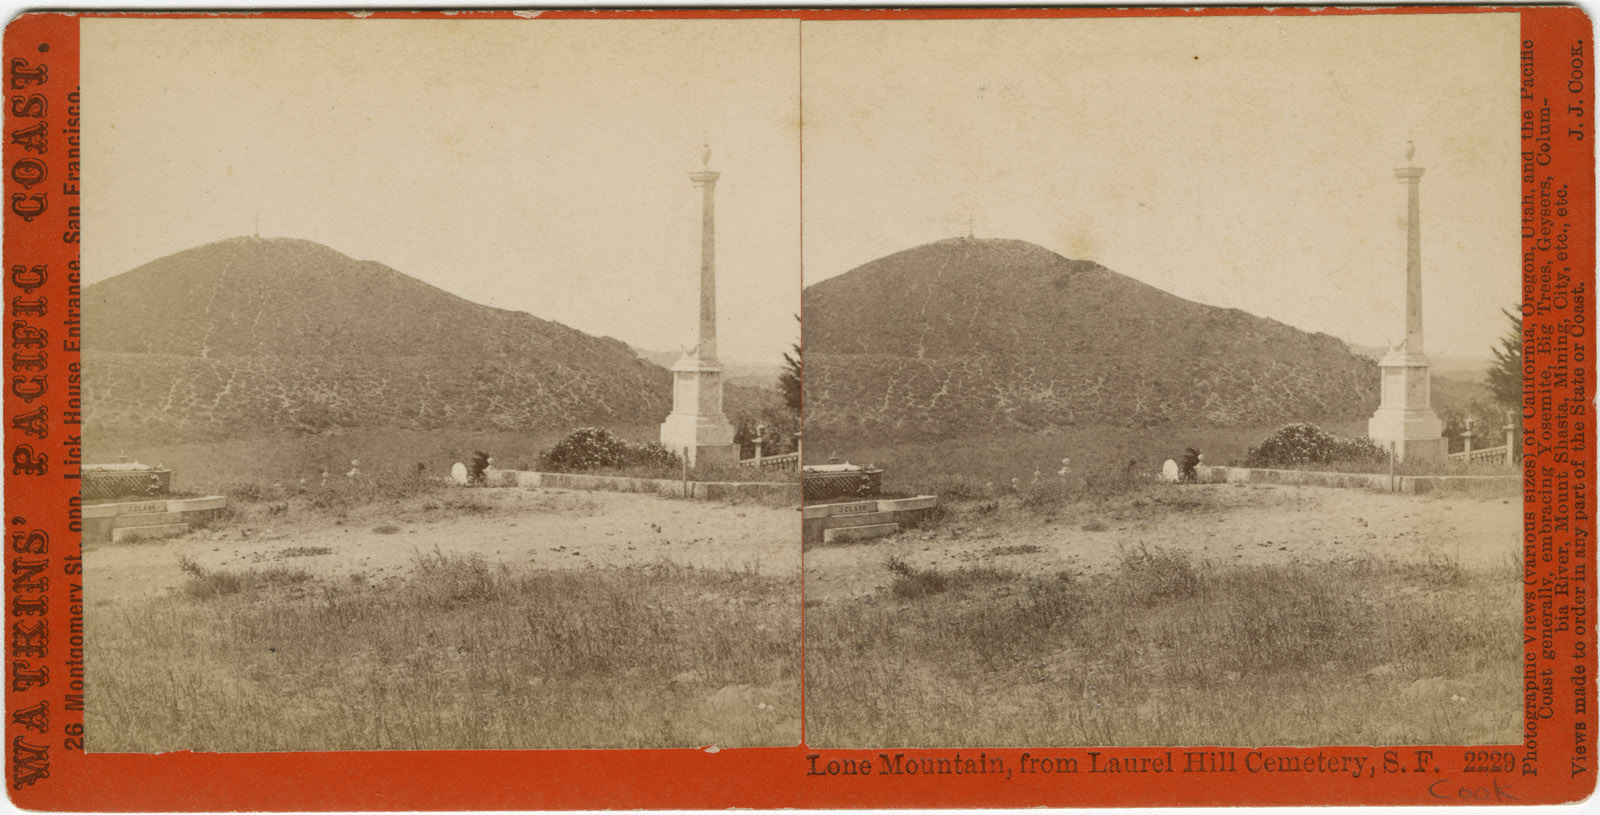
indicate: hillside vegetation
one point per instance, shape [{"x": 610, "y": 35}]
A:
[
  {"x": 984, "y": 334},
  {"x": 251, "y": 335}
]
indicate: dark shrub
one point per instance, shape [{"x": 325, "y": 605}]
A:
[
  {"x": 911, "y": 582},
  {"x": 1152, "y": 576},
  {"x": 1303, "y": 443},
  {"x": 587, "y": 448},
  {"x": 652, "y": 454},
  {"x": 595, "y": 448}
]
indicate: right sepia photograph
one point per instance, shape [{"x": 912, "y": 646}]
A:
[{"x": 1162, "y": 381}]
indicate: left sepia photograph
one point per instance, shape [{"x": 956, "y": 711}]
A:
[{"x": 440, "y": 383}]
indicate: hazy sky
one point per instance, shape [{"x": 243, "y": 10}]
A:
[
  {"x": 532, "y": 165},
  {"x": 1244, "y": 162},
  {"x": 540, "y": 165}
]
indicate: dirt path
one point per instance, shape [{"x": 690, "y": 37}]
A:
[
  {"x": 531, "y": 529},
  {"x": 1227, "y": 524},
  {"x": 543, "y": 529}
]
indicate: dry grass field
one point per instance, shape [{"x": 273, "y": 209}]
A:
[
  {"x": 427, "y": 617},
  {"x": 391, "y": 612},
  {"x": 1151, "y": 614}
]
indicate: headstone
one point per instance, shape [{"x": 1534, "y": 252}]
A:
[
  {"x": 1169, "y": 471},
  {"x": 458, "y": 474}
]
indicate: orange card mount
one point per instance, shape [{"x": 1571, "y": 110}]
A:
[{"x": 242, "y": 573}]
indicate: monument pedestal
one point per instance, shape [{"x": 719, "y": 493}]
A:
[
  {"x": 1404, "y": 417},
  {"x": 696, "y": 423}
]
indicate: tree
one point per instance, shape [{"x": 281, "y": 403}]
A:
[
  {"x": 791, "y": 380},
  {"x": 1505, "y": 375}
]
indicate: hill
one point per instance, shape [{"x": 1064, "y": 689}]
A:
[
  {"x": 977, "y": 335},
  {"x": 248, "y": 335}
]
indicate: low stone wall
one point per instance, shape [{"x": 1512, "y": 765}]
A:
[
  {"x": 1316, "y": 478},
  {"x": 703, "y": 490},
  {"x": 1420, "y": 484}
]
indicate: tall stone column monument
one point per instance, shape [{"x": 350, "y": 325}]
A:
[
  {"x": 697, "y": 427},
  {"x": 1405, "y": 417}
]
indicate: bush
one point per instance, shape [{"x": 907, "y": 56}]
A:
[
  {"x": 1152, "y": 576},
  {"x": 911, "y": 583},
  {"x": 449, "y": 580},
  {"x": 652, "y": 454},
  {"x": 206, "y": 584},
  {"x": 587, "y": 448},
  {"x": 1303, "y": 443},
  {"x": 595, "y": 448}
]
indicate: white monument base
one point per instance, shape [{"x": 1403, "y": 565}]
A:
[
  {"x": 708, "y": 439},
  {"x": 697, "y": 422},
  {"x": 1417, "y": 435},
  {"x": 1404, "y": 418}
]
